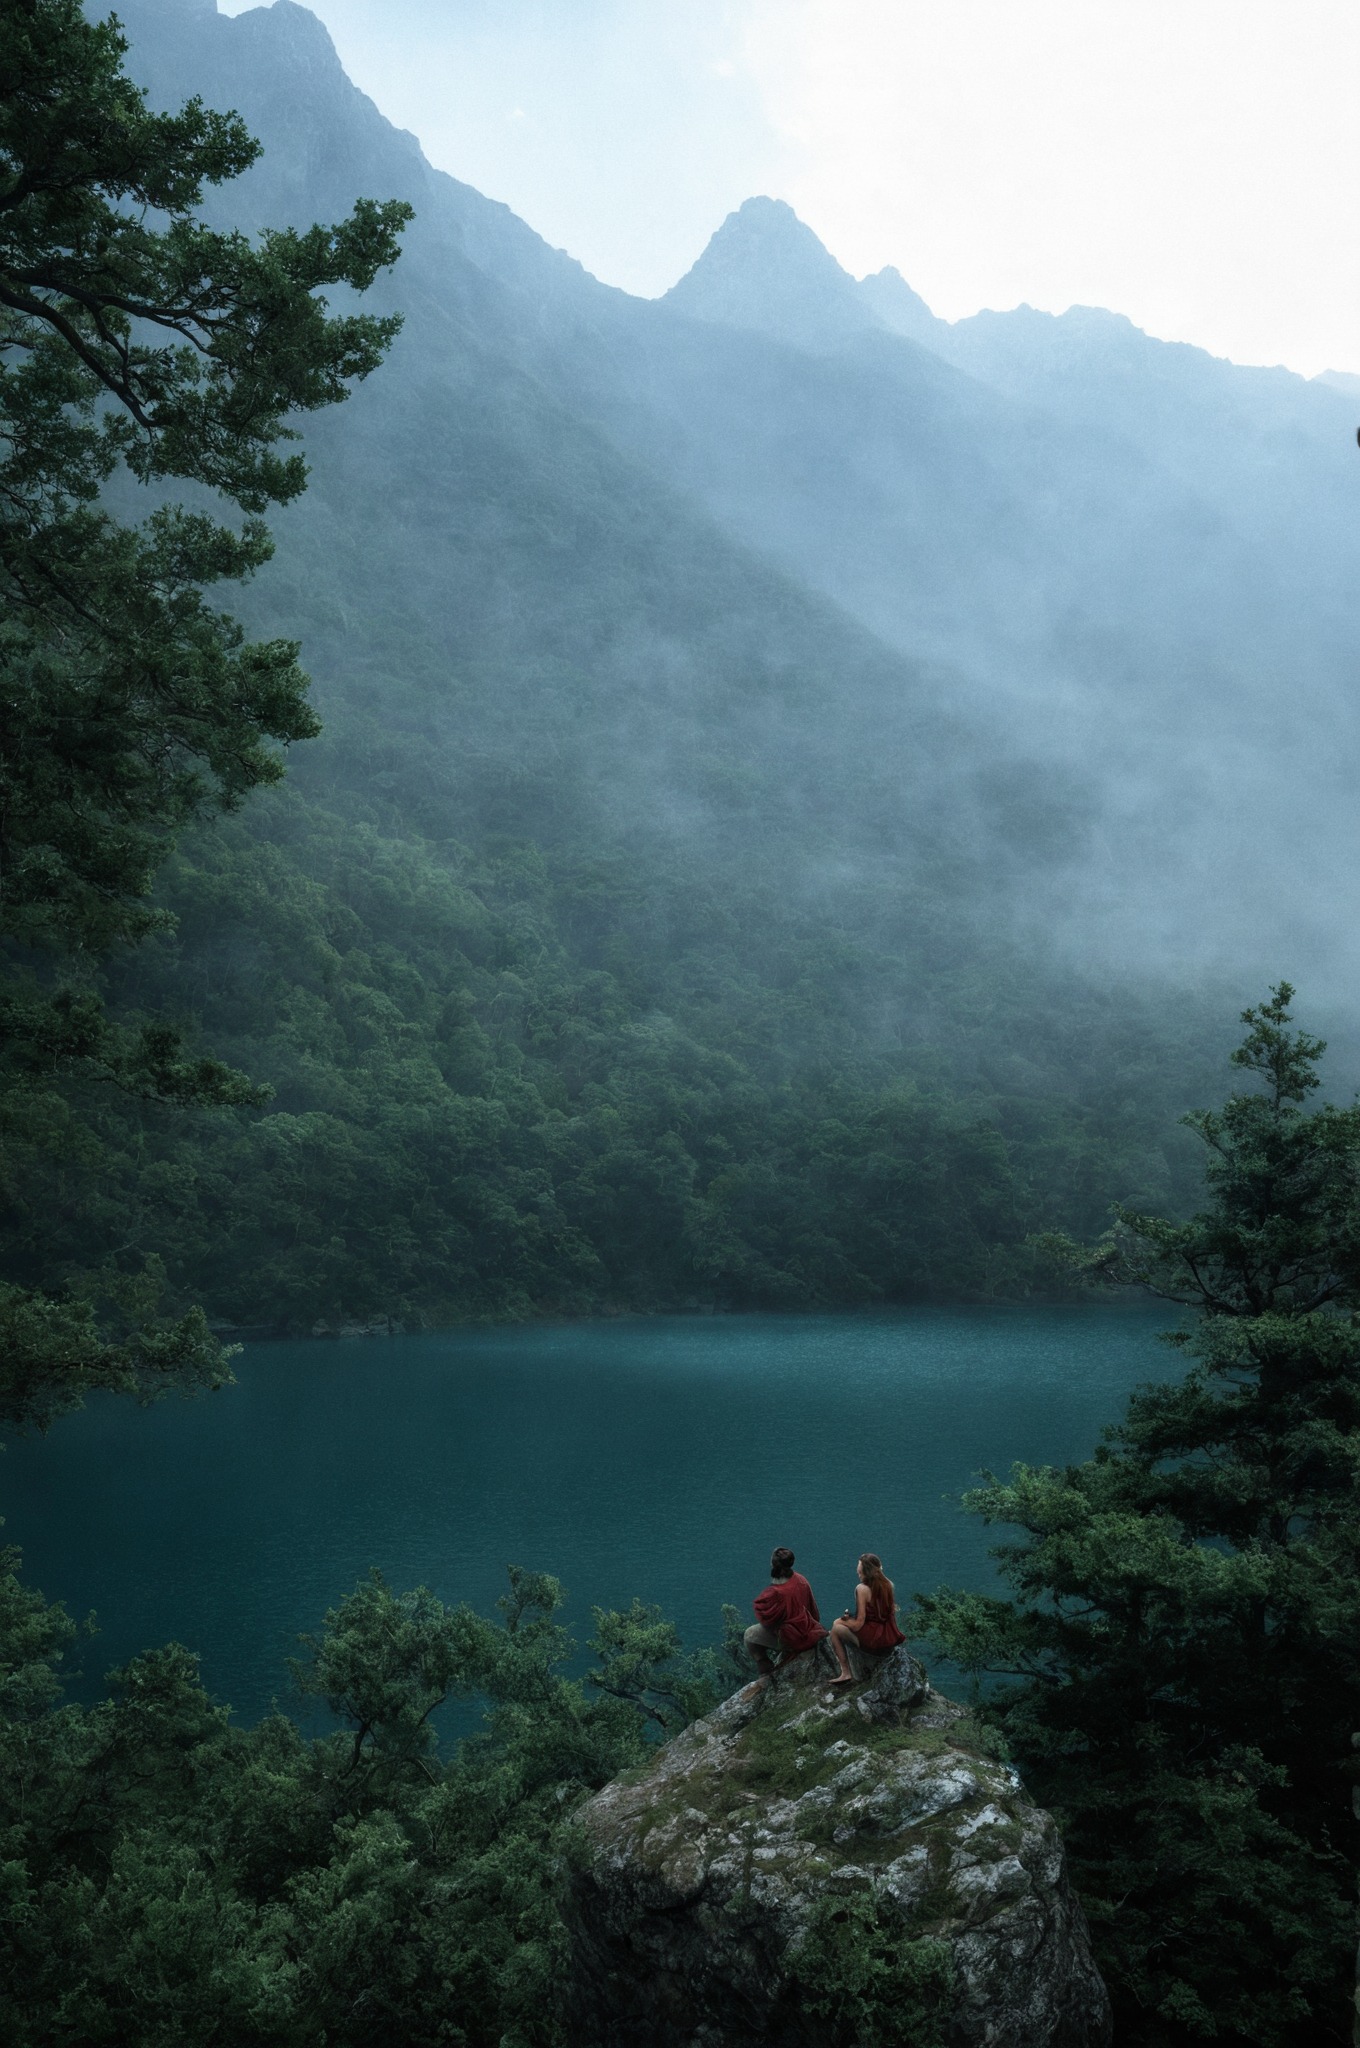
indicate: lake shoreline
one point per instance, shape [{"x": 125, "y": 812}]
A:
[{"x": 352, "y": 1329}]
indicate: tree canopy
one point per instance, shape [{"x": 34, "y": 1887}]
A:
[
  {"x": 133, "y": 338},
  {"x": 172, "y": 1879},
  {"x": 1181, "y": 1659},
  {"x": 132, "y": 333}
]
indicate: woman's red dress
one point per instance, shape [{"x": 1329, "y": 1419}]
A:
[{"x": 878, "y": 1632}]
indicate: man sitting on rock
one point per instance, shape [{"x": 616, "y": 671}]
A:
[{"x": 786, "y": 1616}]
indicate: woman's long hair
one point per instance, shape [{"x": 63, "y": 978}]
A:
[{"x": 877, "y": 1580}]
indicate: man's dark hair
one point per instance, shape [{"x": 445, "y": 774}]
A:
[{"x": 781, "y": 1563}]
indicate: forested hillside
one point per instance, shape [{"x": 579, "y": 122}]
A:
[
  {"x": 509, "y": 1082},
  {"x": 650, "y": 925}
]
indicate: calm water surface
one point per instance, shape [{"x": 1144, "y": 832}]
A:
[{"x": 659, "y": 1457}]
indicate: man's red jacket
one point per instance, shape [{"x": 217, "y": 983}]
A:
[{"x": 788, "y": 1606}]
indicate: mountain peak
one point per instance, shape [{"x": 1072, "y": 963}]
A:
[
  {"x": 898, "y": 306},
  {"x": 765, "y": 269}
]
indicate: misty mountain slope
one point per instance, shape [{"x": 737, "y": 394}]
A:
[
  {"x": 1171, "y": 627},
  {"x": 765, "y": 271},
  {"x": 516, "y": 627},
  {"x": 896, "y": 306},
  {"x": 1075, "y": 598},
  {"x": 1275, "y": 453},
  {"x": 999, "y": 492},
  {"x": 512, "y": 530},
  {"x": 1150, "y": 554},
  {"x": 1180, "y": 624},
  {"x": 963, "y": 528},
  {"x": 1224, "y": 430},
  {"x": 941, "y": 516},
  {"x": 327, "y": 144},
  {"x": 1113, "y": 446}
]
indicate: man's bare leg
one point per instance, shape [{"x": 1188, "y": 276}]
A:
[{"x": 759, "y": 1641}]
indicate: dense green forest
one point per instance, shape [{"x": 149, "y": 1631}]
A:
[
  {"x": 638, "y": 932},
  {"x": 712, "y": 978},
  {"x": 715, "y": 975},
  {"x": 515, "y": 1080}
]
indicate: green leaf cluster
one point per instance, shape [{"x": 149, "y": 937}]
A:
[
  {"x": 133, "y": 334},
  {"x": 871, "y": 1985}
]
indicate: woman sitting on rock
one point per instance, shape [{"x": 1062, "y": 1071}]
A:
[{"x": 871, "y": 1622}]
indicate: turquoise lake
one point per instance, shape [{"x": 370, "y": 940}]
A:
[{"x": 656, "y": 1457}]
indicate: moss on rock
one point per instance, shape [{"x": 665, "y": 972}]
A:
[{"x": 824, "y": 1870}]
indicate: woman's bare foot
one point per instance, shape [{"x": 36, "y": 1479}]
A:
[{"x": 846, "y": 1678}]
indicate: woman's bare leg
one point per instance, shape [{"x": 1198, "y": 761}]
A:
[{"x": 840, "y": 1635}]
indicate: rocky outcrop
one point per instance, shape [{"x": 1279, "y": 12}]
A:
[{"x": 808, "y": 1868}]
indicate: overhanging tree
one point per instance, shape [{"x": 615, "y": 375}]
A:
[
  {"x": 1181, "y": 1660},
  {"x": 132, "y": 337}
]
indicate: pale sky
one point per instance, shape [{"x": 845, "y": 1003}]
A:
[{"x": 1192, "y": 163}]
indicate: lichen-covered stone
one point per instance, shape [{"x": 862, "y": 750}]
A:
[
  {"x": 895, "y": 1685},
  {"x": 704, "y": 1877}
]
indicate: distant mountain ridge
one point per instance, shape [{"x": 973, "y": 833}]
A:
[{"x": 1118, "y": 556}]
